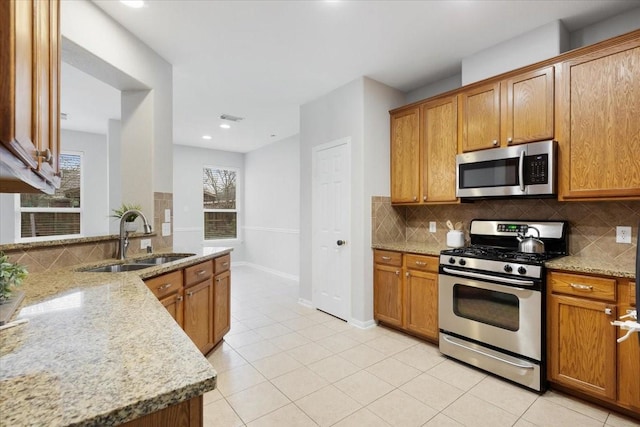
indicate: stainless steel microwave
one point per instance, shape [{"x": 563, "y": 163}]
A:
[{"x": 520, "y": 170}]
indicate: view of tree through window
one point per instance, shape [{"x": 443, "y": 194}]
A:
[
  {"x": 57, "y": 214},
  {"x": 219, "y": 203}
]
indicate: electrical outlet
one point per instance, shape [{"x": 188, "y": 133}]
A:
[
  {"x": 623, "y": 234},
  {"x": 432, "y": 226},
  {"x": 144, "y": 243}
]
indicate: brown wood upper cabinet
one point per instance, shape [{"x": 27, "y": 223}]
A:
[
  {"x": 424, "y": 143},
  {"x": 598, "y": 125},
  {"x": 515, "y": 110},
  {"x": 405, "y": 156},
  {"x": 29, "y": 95}
]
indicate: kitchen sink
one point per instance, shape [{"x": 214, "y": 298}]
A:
[
  {"x": 162, "y": 259},
  {"x": 116, "y": 268}
]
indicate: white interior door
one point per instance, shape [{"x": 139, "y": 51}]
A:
[{"x": 331, "y": 264}]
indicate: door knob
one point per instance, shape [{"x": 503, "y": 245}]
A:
[{"x": 341, "y": 242}]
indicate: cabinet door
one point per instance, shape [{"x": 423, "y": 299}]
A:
[
  {"x": 582, "y": 351},
  {"x": 405, "y": 156},
  {"x": 440, "y": 124},
  {"x": 29, "y": 99},
  {"x": 481, "y": 117},
  {"x": 528, "y": 115},
  {"x": 221, "y": 306},
  {"x": 387, "y": 294},
  {"x": 174, "y": 305},
  {"x": 629, "y": 369},
  {"x": 599, "y": 126},
  {"x": 198, "y": 314},
  {"x": 421, "y": 303}
]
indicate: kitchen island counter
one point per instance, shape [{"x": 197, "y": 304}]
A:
[{"x": 98, "y": 349}]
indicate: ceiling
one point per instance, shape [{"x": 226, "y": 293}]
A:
[{"x": 262, "y": 60}]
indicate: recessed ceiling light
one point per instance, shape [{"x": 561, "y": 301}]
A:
[
  {"x": 206, "y": 136},
  {"x": 225, "y": 126},
  {"x": 137, "y": 4}
]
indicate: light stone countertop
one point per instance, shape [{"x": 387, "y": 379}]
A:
[
  {"x": 98, "y": 349},
  {"x": 574, "y": 264}
]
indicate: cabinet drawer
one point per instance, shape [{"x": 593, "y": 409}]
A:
[
  {"x": 387, "y": 258},
  {"x": 421, "y": 262},
  {"x": 222, "y": 264},
  {"x": 197, "y": 273},
  {"x": 583, "y": 286},
  {"x": 165, "y": 284}
]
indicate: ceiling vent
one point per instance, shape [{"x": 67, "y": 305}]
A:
[{"x": 231, "y": 118}]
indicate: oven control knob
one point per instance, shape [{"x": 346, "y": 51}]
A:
[
  {"x": 522, "y": 270},
  {"x": 508, "y": 268},
  {"x": 452, "y": 260},
  {"x": 462, "y": 262}
]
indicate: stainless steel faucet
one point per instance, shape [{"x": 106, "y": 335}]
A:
[{"x": 124, "y": 235}]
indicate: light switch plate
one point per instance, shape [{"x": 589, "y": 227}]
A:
[
  {"x": 167, "y": 215},
  {"x": 623, "y": 234},
  {"x": 166, "y": 229},
  {"x": 432, "y": 226},
  {"x": 144, "y": 243}
]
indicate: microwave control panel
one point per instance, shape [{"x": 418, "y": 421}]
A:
[{"x": 536, "y": 169}]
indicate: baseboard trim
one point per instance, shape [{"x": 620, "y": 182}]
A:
[
  {"x": 362, "y": 325},
  {"x": 306, "y": 303},
  {"x": 268, "y": 270}
]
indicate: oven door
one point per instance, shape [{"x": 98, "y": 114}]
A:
[{"x": 507, "y": 316}]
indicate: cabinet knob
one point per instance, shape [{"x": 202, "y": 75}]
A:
[
  {"x": 509, "y": 140},
  {"x": 45, "y": 155},
  {"x": 495, "y": 142},
  {"x": 189, "y": 294},
  {"x": 397, "y": 273},
  {"x": 180, "y": 298},
  {"x": 415, "y": 198},
  {"x": 407, "y": 274},
  {"x": 607, "y": 311},
  {"x": 424, "y": 198}
]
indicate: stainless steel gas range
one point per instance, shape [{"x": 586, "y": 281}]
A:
[{"x": 492, "y": 298}]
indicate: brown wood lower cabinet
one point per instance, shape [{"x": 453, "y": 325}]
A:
[
  {"x": 583, "y": 355},
  {"x": 183, "y": 414},
  {"x": 198, "y": 314},
  {"x": 199, "y": 299},
  {"x": 405, "y": 292}
]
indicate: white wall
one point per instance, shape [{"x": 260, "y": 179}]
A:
[
  {"x": 131, "y": 65},
  {"x": 358, "y": 110},
  {"x": 115, "y": 168},
  {"x": 188, "y": 216},
  {"x": 272, "y": 208},
  {"x": 615, "y": 26},
  {"x": 95, "y": 189},
  {"x": 435, "y": 88}
]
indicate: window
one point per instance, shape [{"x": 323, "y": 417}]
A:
[
  {"x": 219, "y": 203},
  {"x": 59, "y": 214}
]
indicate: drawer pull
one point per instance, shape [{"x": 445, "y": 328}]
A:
[
  {"x": 201, "y": 272},
  {"x": 189, "y": 294},
  {"x": 163, "y": 287},
  {"x": 225, "y": 264},
  {"x": 580, "y": 287},
  {"x": 180, "y": 298},
  {"x": 386, "y": 258},
  {"x": 421, "y": 263}
]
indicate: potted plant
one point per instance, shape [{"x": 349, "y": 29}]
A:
[
  {"x": 11, "y": 276},
  {"x": 130, "y": 224}
]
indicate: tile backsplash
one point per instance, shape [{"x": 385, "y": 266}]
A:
[
  {"x": 592, "y": 225},
  {"x": 53, "y": 255}
]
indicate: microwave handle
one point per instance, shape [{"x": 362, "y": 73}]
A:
[{"x": 521, "y": 170}]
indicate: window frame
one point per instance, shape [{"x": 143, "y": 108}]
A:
[
  {"x": 236, "y": 210},
  {"x": 19, "y": 210}
]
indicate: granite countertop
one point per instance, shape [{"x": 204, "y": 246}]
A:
[
  {"x": 568, "y": 263},
  {"x": 98, "y": 349}
]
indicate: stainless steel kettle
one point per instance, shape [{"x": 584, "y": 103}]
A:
[{"x": 530, "y": 244}]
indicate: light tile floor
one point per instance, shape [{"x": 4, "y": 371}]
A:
[{"x": 283, "y": 364}]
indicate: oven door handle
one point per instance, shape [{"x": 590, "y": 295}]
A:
[
  {"x": 518, "y": 365},
  {"x": 488, "y": 277}
]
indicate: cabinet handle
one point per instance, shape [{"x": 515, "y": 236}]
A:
[
  {"x": 509, "y": 140},
  {"x": 225, "y": 264},
  {"x": 180, "y": 298},
  {"x": 580, "y": 287},
  {"x": 45, "y": 155},
  {"x": 607, "y": 311},
  {"x": 495, "y": 142},
  {"x": 424, "y": 198},
  {"x": 415, "y": 198},
  {"x": 407, "y": 274},
  {"x": 201, "y": 272},
  {"x": 163, "y": 287},
  {"x": 397, "y": 273},
  {"x": 386, "y": 258},
  {"x": 189, "y": 294},
  {"x": 421, "y": 263},
  {"x": 217, "y": 280}
]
